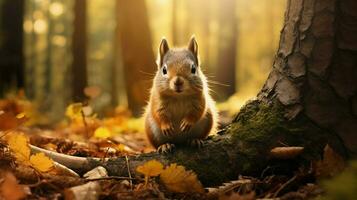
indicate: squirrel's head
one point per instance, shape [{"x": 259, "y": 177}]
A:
[{"x": 179, "y": 71}]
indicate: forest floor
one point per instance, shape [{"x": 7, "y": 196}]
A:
[{"x": 35, "y": 176}]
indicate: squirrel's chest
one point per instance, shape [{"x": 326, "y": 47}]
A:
[{"x": 177, "y": 110}]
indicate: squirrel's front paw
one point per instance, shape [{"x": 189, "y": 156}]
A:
[
  {"x": 196, "y": 143},
  {"x": 165, "y": 148},
  {"x": 167, "y": 128},
  {"x": 185, "y": 125}
]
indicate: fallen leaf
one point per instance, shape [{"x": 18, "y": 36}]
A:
[
  {"x": 10, "y": 121},
  {"x": 177, "y": 179},
  {"x": 21, "y": 115},
  {"x": 149, "y": 169},
  {"x": 9, "y": 187},
  {"x": 73, "y": 110},
  {"x": 102, "y": 132},
  {"x": 18, "y": 143},
  {"x": 331, "y": 164},
  {"x": 41, "y": 162}
]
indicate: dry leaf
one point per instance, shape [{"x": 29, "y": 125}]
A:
[
  {"x": 331, "y": 164},
  {"x": 18, "y": 143},
  {"x": 150, "y": 168},
  {"x": 286, "y": 152},
  {"x": 9, "y": 188},
  {"x": 10, "y": 121},
  {"x": 177, "y": 179},
  {"x": 102, "y": 132},
  {"x": 41, "y": 162},
  {"x": 73, "y": 110}
]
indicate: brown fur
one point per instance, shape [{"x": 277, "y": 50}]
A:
[{"x": 179, "y": 114}]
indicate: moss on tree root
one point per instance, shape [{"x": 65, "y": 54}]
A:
[{"x": 244, "y": 147}]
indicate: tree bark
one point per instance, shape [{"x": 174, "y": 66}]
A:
[
  {"x": 309, "y": 95},
  {"x": 138, "y": 57},
  {"x": 79, "y": 49},
  {"x": 315, "y": 70},
  {"x": 11, "y": 43}
]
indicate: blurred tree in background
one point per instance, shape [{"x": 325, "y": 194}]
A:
[
  {"x": 67, "y": 49},
  {"x": 11, "y": 45}
]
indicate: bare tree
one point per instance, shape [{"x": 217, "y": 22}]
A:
[
  {"x": 79, "y": 49},
  {"x": 138, "y": 57},
  {"x": 226, "y": 66},
  {"x": 11, "y": 43}
]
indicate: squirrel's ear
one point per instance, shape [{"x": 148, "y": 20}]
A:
[
  {"x": 163, "y": 49},
  {"x": 193, "y": 46}
]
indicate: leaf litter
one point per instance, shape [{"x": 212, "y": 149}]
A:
[{"x": 24, "y": 174}]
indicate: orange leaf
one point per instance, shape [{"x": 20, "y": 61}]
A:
[
  {"x": 150, "y": 168},
  {"x": 9, "y": 188},
  {"x": 177, "y": 179},
  {"x": 9, "y": 121}
]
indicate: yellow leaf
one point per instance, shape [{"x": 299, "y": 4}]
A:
[
  {"x": 18, "y": 143},
  {"x": 177, "y": 179},
  {"x": 150, "y": 168},
  {"x": 41, "y": 162},
  {"x": 20, "y": 115},
  {"x": 74, "y": 110},
  {"x": 102, "y": 132}
]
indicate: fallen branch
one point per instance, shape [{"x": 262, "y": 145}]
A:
[{"x": 244, "y": 148}]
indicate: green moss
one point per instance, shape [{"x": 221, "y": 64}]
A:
[
  {"x": 211, "y": 165},
  {"x": 258, "y": 122}
]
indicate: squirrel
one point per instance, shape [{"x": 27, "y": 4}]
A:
[{"x": 180, "y": 109}]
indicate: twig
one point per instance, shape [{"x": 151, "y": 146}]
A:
[
  {"x": 127, "y": 165},
  {"x": 284, "y": 185},
  {"x": 85, "y": 123}
]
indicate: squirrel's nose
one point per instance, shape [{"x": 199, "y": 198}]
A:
[{"x": 178, "y": 82}]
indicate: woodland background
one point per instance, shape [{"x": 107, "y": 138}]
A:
[
  {"x": 54, "y": 49},
  {"x": 93, "y": 61}
]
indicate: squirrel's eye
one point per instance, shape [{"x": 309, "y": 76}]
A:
[
  {"x": 193, "y": 69},
  {"x": 164, "y": 70}
]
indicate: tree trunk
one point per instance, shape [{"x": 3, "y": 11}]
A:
[
  {"x": 11, "y": 43},
  {"x": 309, "y": 100},
  {"x": 138, "y": 57},
  {"x": 227, "y": 43},
  {"x": 315, "y": 70},
  {"x": 79, "y": 49}
]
